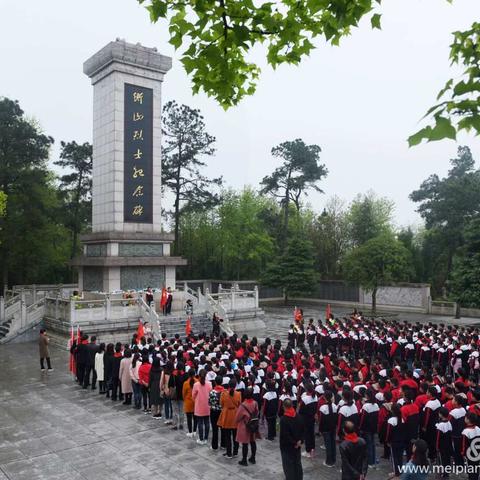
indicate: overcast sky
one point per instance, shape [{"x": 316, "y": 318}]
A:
[{"x": 359, "y": 101}]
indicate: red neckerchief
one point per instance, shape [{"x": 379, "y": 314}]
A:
[
  {"x": 290, "y": 412},
  {"x": 117, "y": 354},
  {"x": 351, "y": 437},
  {"x": 219, "y": 388}
]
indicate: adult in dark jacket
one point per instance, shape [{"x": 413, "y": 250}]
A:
[
  {"x": 353, "y": 451},
  {"x": 291, "y": 436},
  {"x": 116, "y": 386},
  {"x": 92, "y": 349},
  {"x": 156, "y": 400},
  {"x": 180, "y": 378},
  {"x": 108, "y": 368},
  {"x": 81, "y": 358}
]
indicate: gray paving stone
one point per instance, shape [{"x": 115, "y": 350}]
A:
[
  {"x": 52, "y": 430},
  {"x": 10, "y": 453},
  {"x": 33, "y": 447},
  {"x": 18, "y": 468}
]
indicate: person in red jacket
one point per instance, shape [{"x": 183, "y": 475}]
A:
[
  {"x": 383, "y": 415},
  {"x": 410, "y": 382},
  {"x": 430, "y": 418},
  {"x": 144, "y": 380},
  {"x": 411, "y": 418},
  {"x": 422, "y": 397}
]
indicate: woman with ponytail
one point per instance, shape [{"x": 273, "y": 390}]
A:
[
  {"x": 200, "y": 394},
  {"x": 230, "y": 400},
  {"x": 189, "y": 404}
]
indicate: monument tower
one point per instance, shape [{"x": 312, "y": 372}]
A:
[{"x": 127, "y": 248}]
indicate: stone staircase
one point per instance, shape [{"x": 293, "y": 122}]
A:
[
  {"x": 173, "y": 324},
  {"x": 21, "y": 318},
  {"x": 5, "y": 328}
]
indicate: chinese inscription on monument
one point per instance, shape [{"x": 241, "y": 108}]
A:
[{"x": 138, "y": 147}]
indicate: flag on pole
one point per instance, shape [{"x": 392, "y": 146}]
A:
[
  {"x": 71, "y": 366},
  {"x": 328, "y": 312},
  {"x": 188, "y": 327},
  {"x": 297, "y": 315},
  {"x": 140, "y": 330}
]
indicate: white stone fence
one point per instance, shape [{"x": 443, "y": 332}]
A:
[
  {"x": 230, "y": 299},
  {"x": 80, "y": 311}
]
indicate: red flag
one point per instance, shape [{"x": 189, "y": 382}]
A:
[
  {"x": 297, "y": 315},
  {"x": 140, "y": 330},
  {"x": 163, "y": 300},
  {"x": 71, "y": 365},
  {"x": 188, "y": 327},
  {"x": 328, "y": 312},
  {"x": 78, "y": 334}
]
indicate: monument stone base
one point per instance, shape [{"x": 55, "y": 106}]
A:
[{"x": 114, "y": 261}]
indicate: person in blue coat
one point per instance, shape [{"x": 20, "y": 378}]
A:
[{"x": 417, "y": 467}]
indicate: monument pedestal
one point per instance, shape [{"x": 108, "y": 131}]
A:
[
  {"x": 115, "y": 261},
  {"x": 127, "y": 248}
]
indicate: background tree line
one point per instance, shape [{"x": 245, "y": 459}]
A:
[{"x": 268, "y": 233}]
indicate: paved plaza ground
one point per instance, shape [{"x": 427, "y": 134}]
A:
[{"x": 52, "y": 429}]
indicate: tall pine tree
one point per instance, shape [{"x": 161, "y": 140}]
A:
[{"x": 293, "y": 271}]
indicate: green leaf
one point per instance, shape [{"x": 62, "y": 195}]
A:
[
  {"x": 375, "y": 20},
  {"x": 176, "y": 40},
  {"x": 445, "y": 89},
  {"x": 423, "y": 134},
  {"x": 442, "y": 129},
  {"x": 465, "y": 87}
]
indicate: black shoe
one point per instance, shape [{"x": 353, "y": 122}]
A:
[
  {"x": 243, "y": 463},
  {"x": 252, "y": 461}
]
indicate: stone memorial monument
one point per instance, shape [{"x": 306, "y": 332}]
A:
[{"x": 127, "y": 248}]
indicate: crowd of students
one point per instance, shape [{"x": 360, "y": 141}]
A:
[{"x": 395, "y": 382}]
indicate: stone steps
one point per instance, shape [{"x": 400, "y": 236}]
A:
[
  {"x": 5, "y": 328},
  {"x": 176, "y": 325}
]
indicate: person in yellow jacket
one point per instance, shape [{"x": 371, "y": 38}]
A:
[
  {"x": 230, "y": 400},
  {"x": 189, "y": 404}
]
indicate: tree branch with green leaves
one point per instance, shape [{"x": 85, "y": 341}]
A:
[
  {"x": 459, "y": 107},
  {"x": 217, "y": 36}
]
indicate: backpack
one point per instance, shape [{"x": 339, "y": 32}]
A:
[
  {"x": 214, "y": 401},
  {"x": 253, "y": 423}
]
